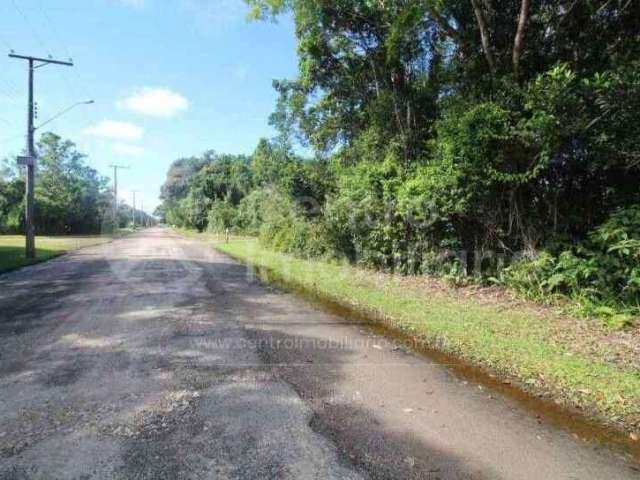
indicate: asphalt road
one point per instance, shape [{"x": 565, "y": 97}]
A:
[{"x": 156, "y": 357}]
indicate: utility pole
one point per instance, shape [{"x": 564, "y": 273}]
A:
[
  {"x": 30, "y": 159},
  {"x": 133, "y": 211},
  {"x": 143, "y": 222},
  {"x": 115, "y": 192}
]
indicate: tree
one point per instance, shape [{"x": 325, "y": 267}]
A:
[
  {"x": 11, "y": 205},
  {"x": 71, "y": 197}
]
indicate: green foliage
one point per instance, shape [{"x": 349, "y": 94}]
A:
[
  {"x": 195, "y": 207},
  {"x": 221, "y": 216},
  {"x": 196, "y": 184},
  {"x": 11, "y": 205},
  {"x": 602, "y": 275},
  {"x": 435, "y": 153},
  {"x": 253, "y": 209},
  {"x": 532, "y": 277},
  {"x": 70, "y": 197},
  {"x": 285, "y": 229},
  {"x": 361, "y": 217}
]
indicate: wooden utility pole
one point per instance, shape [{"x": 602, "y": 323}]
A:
[
  {"x": 115, "y": 193},
  {"x": 133, "y": 210},
  {"x": 30, "y": 159}
]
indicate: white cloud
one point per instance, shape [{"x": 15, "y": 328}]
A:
[
  {"x": 129, "y": 150},
  {"x": 158, "y": 102},
  {"x": 117, "y": 130}
]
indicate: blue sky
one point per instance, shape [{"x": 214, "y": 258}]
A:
[{"x": 170, "y": 78}]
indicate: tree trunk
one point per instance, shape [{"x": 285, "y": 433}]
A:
[
  {"x": 518, "y": 42},
  {"x": 484, "y": 35}
]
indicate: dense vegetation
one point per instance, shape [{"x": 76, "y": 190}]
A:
[
  {"x": 70, "y": 196},
  {"x": 495, "y": 140}
]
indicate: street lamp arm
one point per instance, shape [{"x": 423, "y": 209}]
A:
[{"x": 59, "y": 114}]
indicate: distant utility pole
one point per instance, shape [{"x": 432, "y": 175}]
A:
[
  {"x": 143, "y": 222},
  {"x": 133, "y": 212},
  {"x": 30, "y": 159},
  {"x": 115, "y": 192}
]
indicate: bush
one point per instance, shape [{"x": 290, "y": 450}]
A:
[
  {"x": 251, "y": 210},
  {"x": 222, "y": 216},
  {"x": 284, "y": 227},
  {"x": 11, "y": 206},
  {"x": 602, "y": 275},
  {"x": 361, "y": 217},
  {"x": 529, "y": 276}
]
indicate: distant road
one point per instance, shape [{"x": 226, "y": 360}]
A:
[{"x": 156, "y": 357}]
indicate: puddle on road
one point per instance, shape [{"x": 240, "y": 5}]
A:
[{"x": 572, "y": 421}]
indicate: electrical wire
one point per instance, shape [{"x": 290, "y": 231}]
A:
[
  {"x": 10, "y": 138},
  {"x": 5, "y": 43},
  {"x": 54, "y": 29},
  {"x": 30, "y": 25},
  {"x": 70, "y": 76},
  {"x": 10, "y": 86}
]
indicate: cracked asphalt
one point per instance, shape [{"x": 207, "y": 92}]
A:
[{"x": 156, "y": 357}]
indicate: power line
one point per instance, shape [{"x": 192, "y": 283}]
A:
[
  {"x": 63, "y": 76},
  {"x": 5, "y": 43},
  {"x": 33, "y": 29},
  {"x": 53, "y": 29},
  {"x": 8, "y": 97},
  {"x": 10, "y": 86},
  {"x": 12, "y": 137},
  {"x": 70, "y": 76},
  {"x": 6, "y": 81}
]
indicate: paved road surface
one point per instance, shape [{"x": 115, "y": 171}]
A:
[{"x": 156, "y": 357}]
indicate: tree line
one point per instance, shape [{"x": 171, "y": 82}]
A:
[
  {"x": 489, "y": 139},
  {"x": 70, "y": 196}
]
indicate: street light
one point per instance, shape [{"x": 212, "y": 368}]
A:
[{"x": 62, "y": 112}]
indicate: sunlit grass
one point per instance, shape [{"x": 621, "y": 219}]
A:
[
  {"x": 12, "y": 248},
  {"x": 512, "y": 343}
]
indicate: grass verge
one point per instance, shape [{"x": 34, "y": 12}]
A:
[
  {"x": 12, "y": 248},
  {"x": 516, "y": 344}
]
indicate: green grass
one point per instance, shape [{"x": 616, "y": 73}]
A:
[
  {"x": 515, "y": 344},
  {"x": 12, "y": 248}
]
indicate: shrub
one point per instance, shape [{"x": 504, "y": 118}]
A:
[
  {"x": 284, "y": 227},
  {"x": 529, "y": 276},
  {"x": 251, "y": 210},
  {"x": 222, "y": 215},
  {"x": 602, "y": 275}
]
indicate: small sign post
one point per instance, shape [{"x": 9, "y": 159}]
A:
[{"x": 26, "y": 160}]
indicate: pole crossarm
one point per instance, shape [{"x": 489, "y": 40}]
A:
[{"x": 43, "y": 60}]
